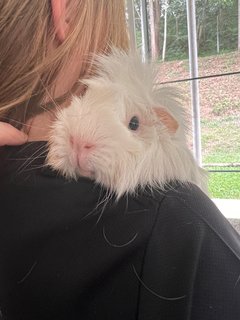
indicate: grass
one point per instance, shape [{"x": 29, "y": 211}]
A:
[
  {"x": 221, "y": 144},
  {"x": 224, "y": 185},
  {"x": 224, "y": 106}
]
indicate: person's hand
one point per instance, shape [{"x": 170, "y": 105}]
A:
[{"x": 11, "y": 136}]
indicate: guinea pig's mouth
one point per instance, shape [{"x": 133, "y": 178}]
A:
[
  {"x": 82, "y": 166},
  {"x": 86, "y": 173},
  {"x": 85, "y": 169}
]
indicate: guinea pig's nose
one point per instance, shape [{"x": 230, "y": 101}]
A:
[
  {"x": 87, "y": 145},
  {"x": 79, "y": 144}
]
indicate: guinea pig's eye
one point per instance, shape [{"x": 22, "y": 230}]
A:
[{"x": 134, "y": 123}]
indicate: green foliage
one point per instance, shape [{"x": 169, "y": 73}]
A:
[
  {"x": 213, "y": 16},
  {"x": 209, "y": 13}
]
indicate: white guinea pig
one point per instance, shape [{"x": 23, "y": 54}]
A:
[{"x": 125, "y": 132}]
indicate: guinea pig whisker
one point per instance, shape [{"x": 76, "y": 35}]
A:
[
  {"x": 51, "y": 98},
  {"x": 21, "y": 123},
  {"x": 41, "y": 150},
  {"x": 51, "y": 112},
  {"x": 98, "y": 209},
  {"x": 15, "y": 121},
  {"x": 108, "y": 197},
  {"x": 35, "y": 167},
  {"x": 24, "y": 167}
]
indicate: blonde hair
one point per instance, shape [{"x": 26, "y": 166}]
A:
[{"x": 28, "y": 69}]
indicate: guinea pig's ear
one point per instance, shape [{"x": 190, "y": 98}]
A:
[{"x": 167, "y": 119}]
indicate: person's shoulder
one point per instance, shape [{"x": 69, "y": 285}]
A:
[
  {"x": 192, "y": 259},
  {"x": 187, "y": 208}
]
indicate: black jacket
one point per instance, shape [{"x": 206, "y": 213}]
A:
[{"x": 65, "y": 255}]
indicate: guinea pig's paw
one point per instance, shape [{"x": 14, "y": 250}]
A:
[{"x": 167, "y": 119}]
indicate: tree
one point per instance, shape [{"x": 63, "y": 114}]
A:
[
  {"x": 154, "y": 14},
  {"x": 238, "y": 25},
  {"x": 165, "y": 7},
  {"x": 218, "y": 23},
  {"x": 177, "y": 9},
  {"x": 215, "y": 10}
]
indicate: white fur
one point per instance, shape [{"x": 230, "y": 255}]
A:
[{"x": 123, "y": 160}]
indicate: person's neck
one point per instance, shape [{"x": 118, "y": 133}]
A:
[{"x": 40, "y": 127}]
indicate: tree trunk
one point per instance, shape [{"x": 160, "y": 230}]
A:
[
  {"x": 154, "y": 14},
  {"x": 177, "y": 28},
  {"x": 201, "y": 25},
  {"x": 165, "y": 31},
  {"x": 238, "y": 25},
  {"x": 199, "y": 35},
  {"x": 218, "y": 42}
]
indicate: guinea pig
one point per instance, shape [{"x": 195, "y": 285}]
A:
[{"x": 125, "y": 132}]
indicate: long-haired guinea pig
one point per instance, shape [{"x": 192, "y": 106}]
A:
[{"x": 125, "y": 132}]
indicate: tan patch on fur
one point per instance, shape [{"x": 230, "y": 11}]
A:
[{"x": 167, "y": 119}]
